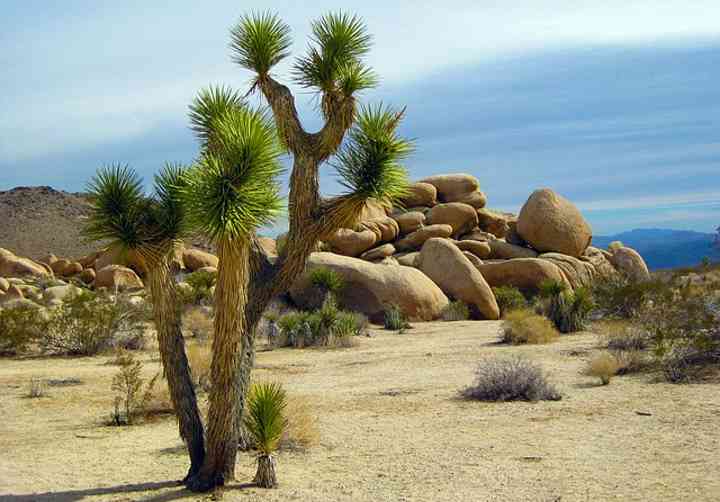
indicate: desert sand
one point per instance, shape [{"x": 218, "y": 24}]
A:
[{"x": 392, "y": 427}]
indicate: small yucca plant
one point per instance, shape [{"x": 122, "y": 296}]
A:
[{"x": 265, "y": 421}]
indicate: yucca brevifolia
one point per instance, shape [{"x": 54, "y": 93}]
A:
[
  {"x": 228, "y": 194},
  {"x": 265, "y": 422},
  {"x": 150, "y": 227},
  {"x": 368, "y": 165}
]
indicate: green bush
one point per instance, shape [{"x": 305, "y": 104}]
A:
[
  {"x": 328, "y": 326},
  {"x": 509, "y": 298},
  {"x": 201, "y": 287},
  {"x": 130, "y": 399},
  {"x": 90, "y": 323},
  {"x": 20, "y": 328},
  {"x": 619, "y": 296},
  {"x": 568, "y": 310},
  {"x": 327, "y": 279},
  {"x": 456, "y": 311},
  {"x": 394, "y": 318}
]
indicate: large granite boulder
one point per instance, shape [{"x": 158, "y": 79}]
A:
[
  {"x": 461, "y": 217},
  {"x": 494, "y": 222},
  {"x": 385, "y": 228},
  {"x": 370, "y": 288},
  {"x": 195, "y": 259},
  {"x": 416, "y": 239},
  {"x": 523, "y": 273},
  {"x": 410, "y": 221},
  {"x": 117, "y": 277},
  {"x": 551, "y": 223},
  {"x": 627, "y": 261},
  {"x": 348, "y": 242},
  {"x": 443, "y": 262},
  {"x": 16, "y": 266},
  {"x": 480, "y": 249},
  {"x": 505, "y": 251},
  {"x": 577, "y": 272},
  {"x": 420, "y": 194},
  {"x": 458, "y": 188},
  {"x": 378, "y": 253}
]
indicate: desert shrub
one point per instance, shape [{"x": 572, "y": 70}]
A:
[
  {"x": 513, "y": 379},
  {"x": 456, "y": 311},
  {"x": 130, "y": 399},
  {"x": 265, "y": 421},
  {"x": 20, "y": 328},
  {"x": 619, "y": 296},
  {"x": 568, "y": 310},
  {"x": 509, "y": 298},
  {"x": 603, "y": 366},
  {"x": 394, "y": 318},
  {"x": 327, "y": 279},
  {"x": 198, "y": 323},
  {"x": 201, "y": 285},
  {"x": 89, "y": 324},
  {"x": 328, "y": 326},
  {"x": 525, "y": 326},
  {"x": 301, "y": 431},
  {"x": 199, "y": 358},
  {"x": 36, "y": 388}
]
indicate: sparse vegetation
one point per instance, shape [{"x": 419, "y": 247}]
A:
[
  {"x": 20, "y": 328},
  {"x": 327, "y": 326},
  {"x": 327, "y": 279},
  {"x": 568, "y": 310},
  {"x": 201, "y": 285},
  {"x": 266, "y": 423},
  {"x": 394, "y": 319},
  {"x": 456, "y": 311},
  {"x": 36, "y": 388},
  {"x": 130, "y": 399},
  {"x": 509, "y": 298},
  {"x": 525, "y": 326},
  {"x": 603, "y": 366},
  {"x": 199, "y": 356},
  {"x": 513, "y": 379},
  {"x": 199, "y": 323}
]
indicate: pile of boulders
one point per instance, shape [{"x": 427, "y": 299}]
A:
[
  {"x": 440, "y": 244},
  {"x": 444, "y": 230}
]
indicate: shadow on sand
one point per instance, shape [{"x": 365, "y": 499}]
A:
[{"x": 177, "y": 492}]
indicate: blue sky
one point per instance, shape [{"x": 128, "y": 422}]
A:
[{"x": 614, "y": 104}]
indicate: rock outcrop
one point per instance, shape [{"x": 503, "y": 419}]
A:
[
  {"x": 117, "y": 277},
  {"x": 16, "y": 266},
  {"x": 629, "y": 262}
]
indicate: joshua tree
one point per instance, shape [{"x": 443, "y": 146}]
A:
[
  {"x": 149, "y": 228},
  {"x": 265, "y": 423}
]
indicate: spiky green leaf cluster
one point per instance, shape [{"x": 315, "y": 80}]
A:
[
  {"x": 334, "y": 59},
  {"x": 369, "y": 163},
  {"x": 232, "y": 189},
  {"x": 259, "y": 41},
  {"x": 209, "y": 105},
  {"x": 265, "y": 419},
  {"x": 123, "y": 215}
]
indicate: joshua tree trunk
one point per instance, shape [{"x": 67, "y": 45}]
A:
[
  {"x": 230, "y": 299},
  {"x": 175, "y": 363},
  {"x": 265, "y": 476}
]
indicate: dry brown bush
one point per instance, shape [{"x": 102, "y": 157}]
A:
[
  {"x": 199, "y": 357},
  {"x": 301, "y": 431},
  {"x": 525, "y": 326},
  {"x": 603, "y": 366},
  {"x": 198, "y": 323}
]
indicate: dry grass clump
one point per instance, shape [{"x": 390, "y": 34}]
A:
[
  {"x": 199, "y": 357},
  {"x": 36, "y": 388},
  {"x": 456, "y": 311},
  {"x": 525, "y": 326},
  {"x": 301, "y": 431},
  {"x": 603, "y": 366},
  {"x": 513, "y": 379},
  {"x": 198, "y": 323}
]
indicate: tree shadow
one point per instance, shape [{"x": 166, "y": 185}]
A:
[{"x": 178, "y": 493}]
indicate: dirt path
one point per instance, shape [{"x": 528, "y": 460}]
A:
[{"x": 392, "y": 428}]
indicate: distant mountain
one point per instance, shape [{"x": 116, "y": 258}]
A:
[{"x": 664, "y": 248}]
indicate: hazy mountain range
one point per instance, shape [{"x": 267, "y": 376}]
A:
[{"x": 664, "y": 248}]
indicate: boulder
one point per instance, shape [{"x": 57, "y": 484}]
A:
[
  {"x": 409, "y": 222},
  {"x": 31, "y": 292},
  {"x": 473, "y": 259},
  {"x": 420, "y": 194},
  {"x": 370, "y": 288},
  {"x": 551, "y": 223},
  {"x": 117, "y": 277},
  {"x": 505, "y": 251},
  {"x": 600, "y": 260},
  {"x": 577, "y": 272},
  {"x": 478, "y": 235},
  {"x": 195, "y": 258},
  {"x": 66, "y": 268},
  {"x": 476, "y": 199},
  {"x": 4, "y": 284},
  {"x": 627, "y": 261},
  {"x": 478, "y": 248},
  {"x": 348, "y": 242},
  {"x": 407, "y": 259},
  {"x": 453, "y": 187},
  {"x": 373, "y": 209},
  {"x": 88, "y": 261},
  {"x": 60, "y": 293},
  {"x": 495, "y": 223},
  {"x": 87, "y": 276},
  {"x": 16, "y": 266},
  {"x": 207, "y": 270},
  {"x": 378, "y": 253},
  {"x": 269, "y": 245},
  {"x": 48, "y": 259},
  {"x": 386, "y": 229},
  {"x": 12, "y": 293},
  {"x": 126, "y": 258},
  {"x": 416, "y": 239},
  {"x": 512, "y": 236},
  {"x": 461, "y": 217},
  {"x": 523, "y": 273},
  {"x": 443, "y": 262}
]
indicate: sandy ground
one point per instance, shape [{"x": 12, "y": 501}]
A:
[{"x": 392, "y": 428}]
